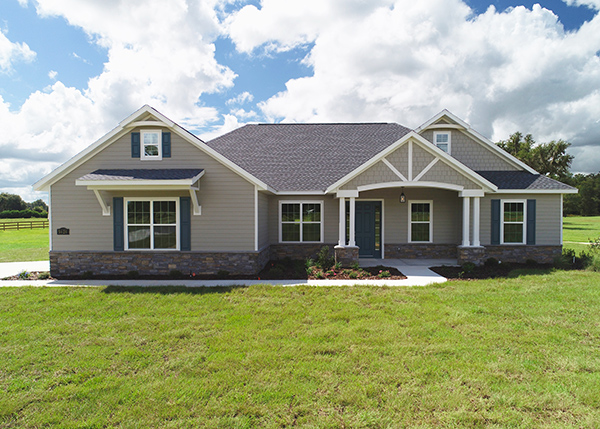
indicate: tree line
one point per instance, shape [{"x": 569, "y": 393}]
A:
[
  {"x": 13, "y": 206},
  {"x": 551, "y": 159}
]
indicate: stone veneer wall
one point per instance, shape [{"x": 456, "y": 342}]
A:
[
  {"x": 64, "y": 264},
  {"x": 540, "y": 254},
  {"x": 420, "y": 250},
  {"x": 298, "y": 250}
]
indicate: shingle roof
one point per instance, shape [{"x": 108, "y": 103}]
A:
[
  {"x": 305, "y": 157},
  {"x": 523, "y": 180},
  {"x": 143, "y": 174}
]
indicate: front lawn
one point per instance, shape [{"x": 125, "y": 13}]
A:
[
  {"x": 24, "y": 245},
  {"x": 578, "y": 230},
  {"x": 520, "y": 352}
]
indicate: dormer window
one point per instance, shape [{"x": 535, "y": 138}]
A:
[
  {"x": 442, "y": 140},
  {"x": 151, "y": 144}
]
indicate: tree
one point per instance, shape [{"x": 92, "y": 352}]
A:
[
  {"x": 38, "y": 205},
  {"x": 550, "y": 159},
  {"x": 11, "y": 202}
]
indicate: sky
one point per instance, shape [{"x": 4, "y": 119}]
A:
[{"x": 71, "y": 70}]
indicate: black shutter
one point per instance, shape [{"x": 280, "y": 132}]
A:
[
  {"x": 185, "y": 223},
  {"x": 118, "y": 227},
  {"x": 166, "y": 145},
  {"x": 531, "y": 215},
  {"x": 135, "y": 145},
  {"x": 495, "y": 222}
]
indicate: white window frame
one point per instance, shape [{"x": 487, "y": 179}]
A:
[
  {"x": 435, "y": 142},
  {"x": 322, "y": 221},
  {"x": 524, "y": 222},
  {"x": 143, "y": 155},
  {"x": 152, "y": 225},
  {"x": 410, "y": 221}
]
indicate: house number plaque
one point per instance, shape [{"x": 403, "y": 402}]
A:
[{"x": 63, "y": 231}]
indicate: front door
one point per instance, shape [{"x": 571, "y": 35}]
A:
[{"x": 368, "y": 229}]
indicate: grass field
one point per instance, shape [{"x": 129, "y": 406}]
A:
[
  {"x": 520, "y": 352},
  {"x": 580, "y": 229},
  {"x": 22, "y": 219},
  {"x": 24, "y": 245}
]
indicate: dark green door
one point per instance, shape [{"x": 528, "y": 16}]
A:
[{"x": 368, "y": 228}]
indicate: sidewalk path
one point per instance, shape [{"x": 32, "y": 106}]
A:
[{"x": 417, "y": 273}]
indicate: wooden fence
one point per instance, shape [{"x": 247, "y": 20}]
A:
[{"x": 31, "y": 224}]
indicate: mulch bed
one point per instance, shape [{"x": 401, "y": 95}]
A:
[
  {"x": 33, "y": 275},
  {"x": 486, "y": 271}
]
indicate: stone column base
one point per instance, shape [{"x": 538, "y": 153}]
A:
[
  {"x": 346, "y": 255},
  {"x": 475, "y": 255}
]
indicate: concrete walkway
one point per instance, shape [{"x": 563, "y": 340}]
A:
[{"x": 416, "y": 271}]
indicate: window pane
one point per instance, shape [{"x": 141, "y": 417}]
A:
[
  {"x": 138, "y": 212},
  {"x": 311, "y": 212},
  {"x": 513, "y": 233},
  {"x": 311, "y": 232},
  {"x": 290, "y": 212},
  {"x": 138, "y": 237},
  {"x": 513, "y": 212},
  {"x": 150, "y": 150},
  {"x": 290, "y": 232},
  {"x": 420, "y": 212},
  {"x": 165, "y": 237},
  {"x": 441, "y": 138},
  {"x": 419, "y": 232},
  {"x": 164, "y": 212},
  {"x": 151, "y": 138},
  {"x": 443, "y": 146}
]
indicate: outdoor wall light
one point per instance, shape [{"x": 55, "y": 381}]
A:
[{"x": 402, "y": 197}]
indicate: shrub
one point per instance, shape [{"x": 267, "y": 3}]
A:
[
  {"x": 175, "y": 274},
  {"x": 319, "y": 274},
  {"x": 133, "y": 274},
  {"x": 309, "y": 262},
  {"x": 595, "y": 245},
  {"x": 44, "y": 275},
  {"x": 594, "y": 263},
  {"x": 337, "y": 266},
  {"x": 468, "y": 267},
  {"x": 24, "y": 275},
  {"x": 355, "y": 266},
  {"x": 531, "y": 262},
  {"x": 224, "y": 274},
  {"x": 490, "y": 263},
  {"x": 324, "y": 260},
  {"x": 384, "y": 274},
  {"x": 353, "y": 275},
  {"x": 276, "y": 272},
  {"x": 87, "y": 275}
]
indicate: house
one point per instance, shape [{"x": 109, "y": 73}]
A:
[{"x": 151, "y": 197}]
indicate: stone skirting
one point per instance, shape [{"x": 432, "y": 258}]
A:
[
  {"x": 298, "y": 250},
  {"x": 420, "y": 250},
  {"x": 64, "y": 264},
  {"x": 475, "y": 255},
  {"x": 346, "y": 255},
  {"x": 540, "y": 254}
]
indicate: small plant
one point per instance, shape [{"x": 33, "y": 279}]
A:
[
  {"x": 276, "y": 272},
  {"x": 330, "y": 273},
  {"x": 222, "y": 274},
  {"x": 324, "y": 260},
  {"x": 468, "y": 267},
  {"x": 531, "y": 262},
  {"x": 383, "y": 274},
  {"x": 319, "y": 274},
  {"x": 355, "y": 266},
  {"x": 353, "y": 275},
  {"x": 175, "y": 274},
  {"x": 44, "y": 275},
  {"x": 490, "y": 263},
  {"x": 133, "y": 274},
  {"x": 24, "y": 275},
  {"x": 595, "y": 245},
  {"x": 309, "y": 263},
  {"x": 87, "y": 275},
  {"x": 337, "y": 266}
]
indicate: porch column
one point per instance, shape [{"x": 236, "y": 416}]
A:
[
  {"x": 476, "y": 242},
  {"x": 342, "y": 232},
  {"x": 466, "y": 226},
  {"x": 352, "y": 241}
]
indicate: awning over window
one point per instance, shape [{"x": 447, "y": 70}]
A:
[{"x": 142, "y": 179}]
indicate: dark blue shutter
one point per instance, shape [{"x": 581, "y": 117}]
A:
[
  {"x": 185, "y": 223},
  {"x": 135, "y": 145},
  {"x": 495, "y": 222},
  {"x": 531, "y": 222},
  {"x": 118, "y": 227},
  {"x": 166, "y": 145}
]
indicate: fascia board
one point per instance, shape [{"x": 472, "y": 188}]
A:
[{"x": 537, "y": 191}]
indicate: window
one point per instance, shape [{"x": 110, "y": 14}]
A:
[
  {"x": 300, "y": 222},
  {"x": 151, "y": 144},
  {"x": 420, "y": 225},
  {"x": 151, "y": 224},
  {"x": 513, "y": 222},
  {"x": 442, "y": 140}
]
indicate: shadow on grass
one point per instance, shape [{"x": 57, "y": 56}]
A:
[{"x": 170, "y": 290}]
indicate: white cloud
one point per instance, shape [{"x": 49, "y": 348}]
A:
[
  {"x": 11, "y": 53},
  {"x": 157, "y": 55},
  {"x": 52, "y": 74},
  {"x": 244, "y": 97},
  {"x": 593, "y": 4},
  {"x": 404, "y": 61}
]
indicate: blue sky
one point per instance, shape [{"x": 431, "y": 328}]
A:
[{"x": 70, "y": 70}]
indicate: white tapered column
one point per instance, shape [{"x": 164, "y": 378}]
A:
[
  {"x": 342, "y": 233},
  {"x": 352, "y": 241},
  {"x": 476, "y": 241},
  {"x": 466, "y": 216}
]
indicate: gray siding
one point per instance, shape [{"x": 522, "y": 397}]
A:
[
  {"x": 379, "y": 173},
  {"x": 548, "y": 219},
  {"x": 421, "y": 159},
  {"x": 471, "y": 153},
  {"x": 263, "y": 220},
  {"x": 443, "y": 173},
  {"x": 227, "y": 200}
]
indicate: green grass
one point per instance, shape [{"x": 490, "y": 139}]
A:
[
  {"x": 22, "y": 219},
  {"x": 24, "y": 245},
  {"x": 520, "y": 352},
  {"x": 580, "y": 229}
]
